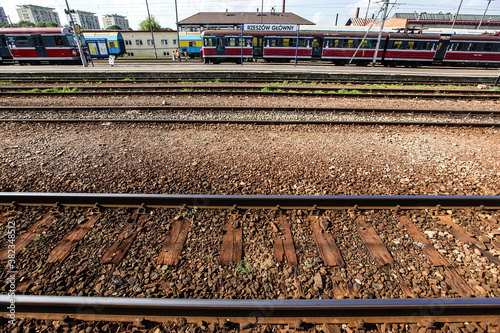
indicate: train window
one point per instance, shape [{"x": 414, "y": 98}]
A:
[
  {"x": 367, "y": 44},
  {"x": 397, "y": 44},
  {"x": 232, "y": 41},
  {"x": 315, "y": 43},
  {"x": 349, "y": 43},
  {"x": 192, "y": 44},
  {"x": 209, "y": 41},
  {"x": 114, "y": 44},
  {"x": 22, "y": 41},
  {"x": 287, "y": 42},
  {"x": 459, "y": 47},
  {"x": 58, "y": 41},
  {"x": 411, "y": 45},
  {"x": 488, "y": 47},
  {"x": 272, "y": 42},
  {"x": 473, "y": 47}
]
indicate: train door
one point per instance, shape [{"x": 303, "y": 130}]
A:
[
  {"x": 257, "y": 46},
  {"x": 221, "y": 48},
  {"x": 316, "y": 47},
  {"x": 4, "y": 49},
  {"x": 441, "y": 49},
  {"x": 39, "y": 47}
]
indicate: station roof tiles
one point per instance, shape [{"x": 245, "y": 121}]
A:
[{"x": 244, "y": 17}]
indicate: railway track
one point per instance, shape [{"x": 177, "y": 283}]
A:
[
  {"x": 249, "y": 115},
  {"x": 343, "y": 309},
  {"x": 251, "y": 91},
  {"x": 241, "y": 77},
  {"x": 245, "y": 314}
]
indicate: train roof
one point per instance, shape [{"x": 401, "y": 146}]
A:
[
  {"x": 110, "y": 35},
  {"x": 352, "y": 34},
  {"x": 29, "y": 31},
  {"x": 316, "y": 34}
]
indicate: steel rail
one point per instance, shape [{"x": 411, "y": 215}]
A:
[
  {"x": 258, "y": 122},
  {"x": 242, "y": 88},
  {"x": 248, "y": 93},
  {"x": 208, "y": 201},
  {"x": 256, "y": 311},
  {"x": 39, "y": 80},
  {"x": 247, "y": 108},
  {"x": 247, "y": 76}
]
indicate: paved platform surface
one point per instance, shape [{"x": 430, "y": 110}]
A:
[{"x": 254, "y": 67}]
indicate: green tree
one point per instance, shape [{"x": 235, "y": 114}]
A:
[
  {"x": 26, "y": 24},
  {"x": 114, "y": 27},
  {"x": 52, "y": 24},
  {"x": 144, "y": 25}
]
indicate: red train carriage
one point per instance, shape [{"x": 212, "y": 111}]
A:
[
  {"x": 395, "y": 49},
  {"x": 226, "y": 45},
  {"x": 481, "y": 50},
  {"x": 42, "y": 45}
]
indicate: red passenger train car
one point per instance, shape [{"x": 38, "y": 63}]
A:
[
  {"x": 39, "y": 46},
  {"x": 340, "y": 48}
]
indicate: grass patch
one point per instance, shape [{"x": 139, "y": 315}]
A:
[
  {"x": 55, "y": 90},
  {"x": 245, "y": 268},
  {"x": 350, "y": 92}
]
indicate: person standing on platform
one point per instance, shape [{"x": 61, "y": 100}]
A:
[{"x": 112, "y": 60}]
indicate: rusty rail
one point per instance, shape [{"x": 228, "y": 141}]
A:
[
  {"x": 256, "y": 311},
  {"x": 246, "y": 201}
]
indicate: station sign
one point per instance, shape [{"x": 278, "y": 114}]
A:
[{"x": 269, "y": 27}]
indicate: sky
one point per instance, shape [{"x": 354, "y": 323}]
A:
[{"x": 321, "y": 12}]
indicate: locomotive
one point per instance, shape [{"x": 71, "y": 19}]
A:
[
  {"x": 359, "y": 48},
  {"x": 40, "y": 46}
]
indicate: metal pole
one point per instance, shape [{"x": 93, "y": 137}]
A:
[
  {"x": 77, "y": 39},
  {"x": 482, "y": 18},
  {"x": 177, "y": 28},
  {"x": 297, "y": 46},
  {"x": 456, "y": 15},
  {"x": 386, "y": 4},
  {"x": 262, "y": 11},
  {"x": 241, "y": 41},
  {"x": 151, "y": 29},
  {"x": 366, "y": 14}
]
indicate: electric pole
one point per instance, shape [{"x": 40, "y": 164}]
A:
[
  {"x": 386, "y": 7},
  {"x": 77, "y": 37},
  {"x": 151, "y": 29}
]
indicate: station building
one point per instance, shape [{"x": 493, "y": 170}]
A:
[{"x": 233, "y": 20}]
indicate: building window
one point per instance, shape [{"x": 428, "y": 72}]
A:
[
  {"x": 138, "y": 42},
  {"x": 175, "y": 41},
  {"x": 164, "y": 42},
  {"x": 166, "y": 53},
  {"x": 150, "y": 42},
  {"x": 130, "y": 54},
  {"x": 128, "y": 42}
]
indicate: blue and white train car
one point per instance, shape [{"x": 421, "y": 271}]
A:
[{"x": 114, "y": 42}]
